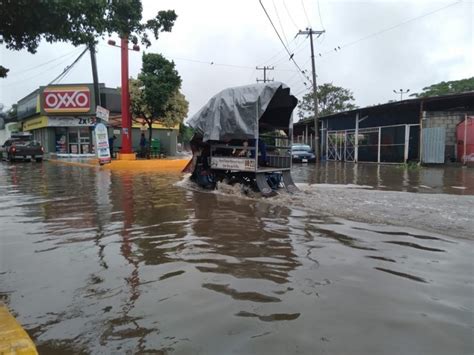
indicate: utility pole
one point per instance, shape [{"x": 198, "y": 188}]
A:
[
  {"x": 310, "y": 32},
  {"x": 264, "y": 68},
  {"x": 95, "y": 77}
]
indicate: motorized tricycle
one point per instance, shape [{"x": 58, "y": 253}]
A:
[{"x": 244, "y": 135}]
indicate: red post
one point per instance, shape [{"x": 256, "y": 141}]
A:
[{"x": 126, "y": 119}]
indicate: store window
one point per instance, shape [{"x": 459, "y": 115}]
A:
[
  {"x": 73, "y": 139},
  {"x": 61, "y": 140}
]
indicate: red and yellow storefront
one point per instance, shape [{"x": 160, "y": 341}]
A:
[{"x": 63, "y": 119}]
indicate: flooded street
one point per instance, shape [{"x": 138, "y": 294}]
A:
[{"x": 97, "y": 261}]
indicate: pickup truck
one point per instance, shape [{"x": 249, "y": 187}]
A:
[{"x": 22, "y": 148}]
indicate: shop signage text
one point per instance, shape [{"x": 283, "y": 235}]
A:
[
  {"x": 155, "y": 125},
  {"x": 66, "y": 99},
  {"x": 35, "y": 123},
  {"x": 102, "y": 144},
  {"x": 102, "y": 113},
  {"x": 55, "y": 121}
]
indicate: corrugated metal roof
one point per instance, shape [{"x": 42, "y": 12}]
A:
[{"x": 450, "y": 101}]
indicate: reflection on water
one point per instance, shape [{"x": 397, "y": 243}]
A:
[
  {"x": 101, "y": 262},
  {"x": 450, "y": 180}
]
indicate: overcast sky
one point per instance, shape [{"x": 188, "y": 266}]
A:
[{"x": 385, "y": 45}]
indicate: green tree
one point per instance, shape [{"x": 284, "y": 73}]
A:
[
  {"x": 331, "y": 99},
  {"x": 155, "y": 95},
  {"x": 24, "y": 25},
  {"x": 447, "y": 87},
  {"x": 176, "y": 110},
  {"x": 185, "y": 133},
  {"x": 3, "y": 71},
  {"x": 12, "y": 113}
]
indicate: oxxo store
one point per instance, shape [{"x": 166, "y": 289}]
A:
[{"x": 63, "y": 120}]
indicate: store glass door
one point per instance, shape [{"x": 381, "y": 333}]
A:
[
  {"x": 79, "y": 140},
  {"x": 85, "y": 140},
  {"x": 73, "y": 139}
]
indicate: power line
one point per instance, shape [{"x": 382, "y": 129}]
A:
[
  {"x": 214, "y": 64},
  {"x": 319, "y": 12},
  {"x": 43, "y": 64},
  {"x": 69, "y": 67},
  {"x": 23, "y": 81},
  {"x": 307, "y": 18},
  {"x": 63, "y": 77},
  {"x": 279, "y": 37},
  {"x": 282, "y": 51},
  {"x": 289, "y": 15},
  {"x": 388, "y": 29},
  {"x": 251, "y": 75},
  {"x": 279, "y": 21},
  {"x": 295, "y": 51},
  {"x": 302, "y": 91}
]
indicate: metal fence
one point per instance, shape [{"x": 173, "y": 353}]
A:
[{"x": 384, "y": 144}]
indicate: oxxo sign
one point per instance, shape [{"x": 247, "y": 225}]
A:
[{"x": 69, "y": 99}]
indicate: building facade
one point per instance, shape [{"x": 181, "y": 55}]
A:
[
  {"x": 62, "y": 118},
  {"x": 421, "y": 129}
]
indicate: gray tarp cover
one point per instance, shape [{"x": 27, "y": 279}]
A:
[{"x": 234, "y": 112}]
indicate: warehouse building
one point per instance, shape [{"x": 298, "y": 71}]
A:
[{"x": 410, "y": 130}]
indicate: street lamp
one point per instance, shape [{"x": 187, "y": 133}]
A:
[
  {"x": 401, "y": 92},
  {"x": 126, "y": 149}
]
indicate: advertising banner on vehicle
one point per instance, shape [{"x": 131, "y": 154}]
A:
[
  {"x": 102, "y": 144},
  {"x": 233, "y": 164}
]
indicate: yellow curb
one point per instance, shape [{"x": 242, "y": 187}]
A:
[
  {"x": 13, "y": 338},
  {"x": 126, "y": 156},
  {"x": 168, "y": 165},
  {"x": 148, "y": 165},
  {"x": 88, "y": 164}
]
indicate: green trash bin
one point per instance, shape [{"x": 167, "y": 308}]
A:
[{"x": 155, "y": 147}]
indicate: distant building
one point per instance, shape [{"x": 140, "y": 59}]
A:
[
  {"x": 394, "y": 132},
  {"x": 62, "y": 118}
]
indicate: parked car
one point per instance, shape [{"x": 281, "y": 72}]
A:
[
  {"x": 302, "y": 153},
  {"x": 22, "y": 148}
]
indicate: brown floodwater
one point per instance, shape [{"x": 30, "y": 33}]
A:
[
  {"x": 99, "y": 262},
  {"x": 436, "y": 179}
]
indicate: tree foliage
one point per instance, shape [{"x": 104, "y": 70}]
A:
[
  {"x": 12, "y": 113},
  {"x": 3, "y": 71},
  {"x": 185, "y": 133},
  {"x": 447, "y": 87},
  {"x": 331, "y": 99},
  {"x": 160, "y": 82},
  {"x": 155, "y": 95},
  {"x": 23, "y": 24},
  {"x": 176, "y": 110}
]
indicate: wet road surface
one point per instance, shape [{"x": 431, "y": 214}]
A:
[{"x": 100, "y": 262}]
